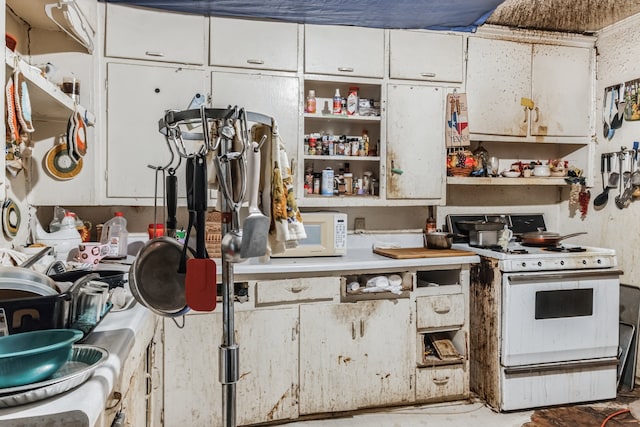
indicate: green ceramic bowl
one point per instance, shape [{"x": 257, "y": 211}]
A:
[{"x": 30, "y": 357}]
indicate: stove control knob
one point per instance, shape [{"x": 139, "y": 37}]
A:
[
  {"x": 584, "y": 261},
  {"x": 524, "y": 264},
  {"x": 561, "y": 262},
  {"x": 539, "y": 263},
  {"x": 599, "y": 261}
]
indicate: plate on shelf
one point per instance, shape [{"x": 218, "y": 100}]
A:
[
  {"x": 511, "y": 174},
  {"x": 80, "y": 366}
]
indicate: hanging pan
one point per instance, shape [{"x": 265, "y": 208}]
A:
[{"x": 155, "y": 278}]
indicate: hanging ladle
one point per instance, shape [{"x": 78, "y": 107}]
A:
[
  {"x": 602, "y": 198},
  {"x": 614, "y": 177}
]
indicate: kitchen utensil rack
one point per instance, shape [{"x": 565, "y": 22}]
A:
[{"x": 194, "y": 125}]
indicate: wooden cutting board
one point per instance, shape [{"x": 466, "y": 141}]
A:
[{"x": 406, "y": 253}]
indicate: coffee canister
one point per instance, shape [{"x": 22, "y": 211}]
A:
[{"x": 327, "y": 182}]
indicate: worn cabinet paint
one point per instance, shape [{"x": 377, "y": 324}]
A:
[
  {"x": 498, "y": 76},
  {"x": 556, "y": 78},
  {"x": 268, "y": 369},
  {"x": 356, "y": 355},
  {"x": 137, "y": 98},
  {"x": 415, "y": 142},
  {"x": 275, "y": 96}
]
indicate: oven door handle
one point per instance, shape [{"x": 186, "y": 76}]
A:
[
  {"x": 575, "y": 364},
  {"x": 528, "y": 278}
]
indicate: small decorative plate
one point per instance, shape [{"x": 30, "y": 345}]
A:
[
  {"x": 59, "y": 163},
  {"x": 10, "y": 218}
]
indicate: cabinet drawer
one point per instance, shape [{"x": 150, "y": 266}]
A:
[
  {"x": 293, "y": 290},
  {"x": 349, "y": 51},
  {"x": 440, "y": 310},
  {"x": 418, "y": 55},
  {"x": 441, "y": 383},
  {"x": 248, "y": 48},
  {"x": 157, "y": 36}
]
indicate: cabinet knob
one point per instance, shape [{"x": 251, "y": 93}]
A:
[
  {"x": 255, "y": 61},
  {"x": 345, "y": 69},
  {"x": 153, "y": 53},
  {"x": 428, "y": 75},
  {"x": 157, "y": 90}
]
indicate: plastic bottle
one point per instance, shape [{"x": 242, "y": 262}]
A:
[
  {"x": 311, "y": 102},
  {"x": 352, "y": 101},
  {"x": 114, "y": 233},
  {"x": 431, "y": 224},
  {"x": 68, "y": 222},
  {"x": 337, "y": 103}
]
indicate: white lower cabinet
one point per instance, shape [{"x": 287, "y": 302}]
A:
[
  {"x": 436, "y": 382},
  {"x": 356, "y": 355},
  {"x": 268, "y": 368}
]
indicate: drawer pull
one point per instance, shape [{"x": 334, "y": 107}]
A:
[
  {"x": 428, "y": 75},
  {"x": 345, "y": 69},
  {"x": 361, "y": 327},
  {"x": 298, "y": 289},
  {"x": 441, "y": 381},
  {"x": 152, "y": 53},
  {"x": 255, "y": 61},
  {"x": 441, "y": 307},
  {"x": 353, "y": 330}
]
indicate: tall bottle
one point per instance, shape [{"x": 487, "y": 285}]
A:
[
  {"x": 114, "y": 233},
  {"x": 337, "y": 102}
]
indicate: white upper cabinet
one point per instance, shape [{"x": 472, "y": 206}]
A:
[
  {"x": 498, "y": 76},
  {"x": 155, "y": 35},
  {"x": 561, "y": 83},
  {"x": 418, "y": 55},
  {"x": 253, "y": 44},
  {"x": 415, "y": 142},
  {"x": 528, "y": 89},
  {"x": 344, "y": 51}
]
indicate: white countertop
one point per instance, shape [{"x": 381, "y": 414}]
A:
[
  {"x": 118, "y": 332},
  {"x": 85, "y": 404},
  {"x": 359, "y": 257}
]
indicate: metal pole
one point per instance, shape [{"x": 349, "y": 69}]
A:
[{"x": 228, "y": 350}]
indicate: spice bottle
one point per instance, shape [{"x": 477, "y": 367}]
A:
[
  {"x": 311, "y": 102},
  {"x": 352, "y": 101},
  {"x": 337, "y": 102},
  {"x": 431, "y": 225}
]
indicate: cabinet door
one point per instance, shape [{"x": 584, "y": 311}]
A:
[
  {"x": 275, "y": 96},
  {"x": 137, "y": 97},
  {"x": 247, "y": 47},
  {"x": 415, "y": 142},
  {"x": 154, "y": 35},
  {"x": 268, "y": 368},
  {"x": 498, "y": 77},
  {"x": 561, "y": 80},
  {"x": 356, "y": 355},
  {"x": 349, "y": 51},
  {"x": 416, "y": 55}
]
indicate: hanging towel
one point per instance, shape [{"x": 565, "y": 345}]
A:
[{"x": 277, "y": 190}]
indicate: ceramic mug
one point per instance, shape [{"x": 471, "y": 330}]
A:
[{"x": 92, "y": 253}]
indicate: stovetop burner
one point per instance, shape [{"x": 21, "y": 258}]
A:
[
  {"x": 565, "y": 249},
  {"x": 498, "y": 248}
]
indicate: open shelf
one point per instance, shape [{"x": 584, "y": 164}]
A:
[{"x": 48, "y": 102}]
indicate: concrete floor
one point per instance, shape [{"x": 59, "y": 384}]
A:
[{"x": 453, "y": 414}]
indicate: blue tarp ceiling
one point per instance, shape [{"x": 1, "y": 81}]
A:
[{"x": 460, "y": 15}]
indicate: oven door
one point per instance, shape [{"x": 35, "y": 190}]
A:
[{"x": 559, "y": 316}]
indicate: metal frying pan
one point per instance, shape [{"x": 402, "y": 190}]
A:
[
  {"x": 545, "y": 238},
  {"x": 154, "y": 279}
]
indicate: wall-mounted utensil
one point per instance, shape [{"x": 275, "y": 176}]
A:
[
  {"x": 255, "y": 229},
  {"x": 605, "y": 166}
]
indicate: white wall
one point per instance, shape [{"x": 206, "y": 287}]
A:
[{"x": 618, "y": 49}]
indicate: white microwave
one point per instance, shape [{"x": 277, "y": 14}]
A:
[{"x": 326, "y": 236}]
